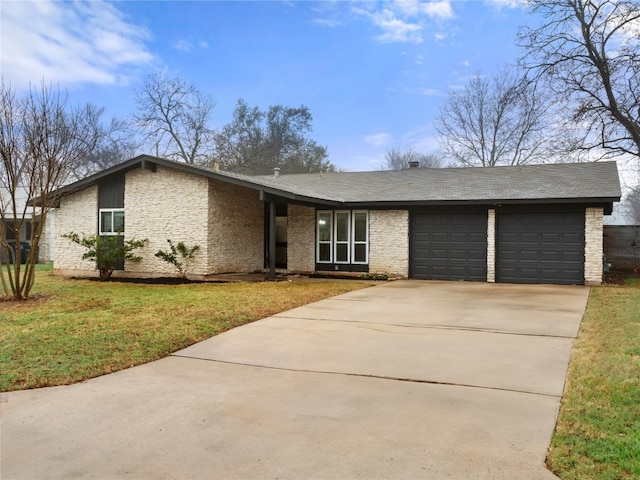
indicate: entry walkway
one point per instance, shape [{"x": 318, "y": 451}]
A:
[{"x": 408, "y": 379}]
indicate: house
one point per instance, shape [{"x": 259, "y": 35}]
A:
[
  {"x": 27, "y": 220},
  {"x": 520, "y": 224}
]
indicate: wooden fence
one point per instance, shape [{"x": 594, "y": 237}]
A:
[{"x": 622, "y": 246}]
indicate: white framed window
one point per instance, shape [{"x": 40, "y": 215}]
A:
[
  {"x": 360, "y": 237},
  {"x": 324, "y": 234},
  {"x": 342, "y": 236},
  {"x": 111, "y": 221}
]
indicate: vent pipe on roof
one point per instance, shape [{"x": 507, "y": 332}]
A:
[
  {"x": 414, "y": 164},
  {"x": 276, "y": 172},
  {"x": 216, "y": 166}
]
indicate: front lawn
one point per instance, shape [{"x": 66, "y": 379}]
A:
[
  {"x": 77, "y": 329},
  {"x": 598, "y": 430}
]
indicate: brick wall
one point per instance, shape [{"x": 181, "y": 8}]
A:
[
  {"x": 161, "y": 205},
  {"x": 491, "y": 246},
  {"x": 389, "y": 242},
  {"x": 593, "y": 246},
  {"x": 77, "y": 213},
  {"x": 236, "y": 229},
  {"x": 301, "y": 239}
]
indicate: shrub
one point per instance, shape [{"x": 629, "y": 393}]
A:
[
  {"x": 179, "y": 256},
  {"x": 107, "y": 251}
]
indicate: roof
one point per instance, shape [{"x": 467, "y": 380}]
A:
[{"x": 548, "y": 183}]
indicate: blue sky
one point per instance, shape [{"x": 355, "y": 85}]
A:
[{"x": 373, "y": 74}]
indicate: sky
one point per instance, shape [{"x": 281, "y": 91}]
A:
[{"x": 373, "y": 74}]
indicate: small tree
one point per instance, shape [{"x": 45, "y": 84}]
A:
[
  {"x": 108, "y": 252},
  {"x": 42, "y": 140},
  {"x": 179, "y": 256}
]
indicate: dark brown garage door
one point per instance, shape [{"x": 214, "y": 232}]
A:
[
  {"x": 449, "y": 246},
  {"x": 540, "y": 247}
]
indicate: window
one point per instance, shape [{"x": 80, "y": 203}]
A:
[
  {"x": 111, "y": 221},
  {"x": 342, "y": 237}
]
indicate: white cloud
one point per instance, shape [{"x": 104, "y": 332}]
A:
[
  {"x": 328, "y": 22},
  {"x": 379, "y": 139},
  {"x": 395, "y": 29},
  {"x": 500, "y": 4},
  {"x": 404, "y": 21},
  {"x": 184, "y": 45},
  {"x": 63, "y": 42}
]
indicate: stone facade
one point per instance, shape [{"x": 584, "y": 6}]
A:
[
  {"x": 593, "y": 246},
  {"x": 235, "y": 229},
  {"x": 161, "y": 205},
  {"x": 79, "y": 215},
  {"x": 46, "y": 246},
  {"x": 491, "y": 246},
  {"x": 389, "y": 242},
  {"x": 301, "y": 239}
]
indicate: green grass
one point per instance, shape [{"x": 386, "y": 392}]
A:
[
  {"x": 598, "y": 431},
  {"x": 72, "y": 330}
]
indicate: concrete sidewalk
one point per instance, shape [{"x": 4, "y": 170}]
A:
[{"x": 408, "y": 379}]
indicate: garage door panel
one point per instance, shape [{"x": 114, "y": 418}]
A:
[
  {"x": 540, "y": 247},
  {"x": 449, "y": 246}
]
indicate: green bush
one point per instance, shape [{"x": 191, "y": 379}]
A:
[{"x": 107, "y": 251}]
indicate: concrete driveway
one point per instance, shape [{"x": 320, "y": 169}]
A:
[{"x": 408, "y": 379}]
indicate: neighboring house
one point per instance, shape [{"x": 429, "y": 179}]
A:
[
  {"x": 522, "y": 224},
  {"x": 25, "y": 215}
]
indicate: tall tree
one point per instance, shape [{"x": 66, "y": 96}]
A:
[
  {"x": 490, "y": 122},
  {"x": 257, "y": 141},
  {"x": 42, "y": 140},
  {"x": 398, "y": 158},
  {"x": 115, "y": 142},
  {"x": 175, "y": 117},
  {"x": 587, "y": 52}
]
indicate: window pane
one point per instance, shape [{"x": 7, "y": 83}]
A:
[
  {"x": 118, "y": 222},
  {"x": 342, "y": 227},
  {"x": 360, "y": 253},
  {"x": 106, "y": 225},
  {"x": 342, "y": 250},
  {"x": 360, "y": 227},
  {"x": 324, "y": 226},
  {"x": 324, "y": 254}
]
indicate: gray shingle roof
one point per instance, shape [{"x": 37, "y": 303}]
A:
[
  {"x": 568, "y": 181},
  {"x": 577, "y": 182}
]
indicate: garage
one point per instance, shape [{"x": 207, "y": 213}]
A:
[
  {"x": 540, "y": 247},
  {"x": 449, "y": 245}
]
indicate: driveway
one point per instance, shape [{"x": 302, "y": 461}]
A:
[{"x": 408, "y": 379}]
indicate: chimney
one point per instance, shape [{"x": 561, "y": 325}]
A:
[
  {"x": 414, "y": 164},
  {"x": 216, "y": 166},
  {"x": 276, "y": 172}
]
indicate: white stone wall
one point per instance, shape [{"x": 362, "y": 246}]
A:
[
  {"x": 236, "y": 229},
  {"x": 593, "y": 246},
  {"x": 491, "y": 246},
  {"x": 389, "y": 242},
  {"x": 46, "y": 246},
  {"x": 301, "y": 239},
  {"x": 77, "y": 213},
  {"x": 161, "y": 205}
]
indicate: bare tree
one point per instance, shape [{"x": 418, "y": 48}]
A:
[
  {"x": 257, "y": 141},
  {"x": 41, "y": 142},
  {"x": 115, "y": 143},
  {"x": 175, "y": 116},
  {"x": 398, "y": 158},
  {"x": 588, "y": 54},
  {"x": 632, "y": 201},
  {"x": 489, "y": 122}
]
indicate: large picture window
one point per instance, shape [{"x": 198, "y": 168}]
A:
[
  {"x": 111, "y": 221},
  {"x": 342, "y": 237}
]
